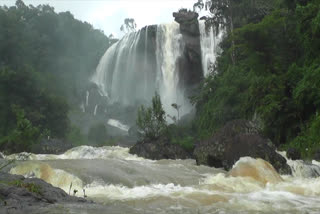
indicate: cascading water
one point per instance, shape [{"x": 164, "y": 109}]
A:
[
  {"x": 209, "y": 41},
  {"x": 125, "y": 183},
  {"x": 301, "y": 168},
  {"x": 133, "y": 69},
  {"x": 169, "y": 49},
  {"x": 87, "y": 98},
  {"x": 95, "y": 110}
]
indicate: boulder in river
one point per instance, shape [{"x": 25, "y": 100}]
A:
[
  {"x": 159, "y": 149},
  {"x": 238, "y": 138}
]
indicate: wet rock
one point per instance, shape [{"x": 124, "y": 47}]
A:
[
  {"x": 18, "y": 193},
  {"x": 188, "y": 21},
  {"x": 190, "y": 66},
  {"x": 159, "y": 149},
  {"x": 238, "y": 138},
  {"x": 293, "y": 154}
]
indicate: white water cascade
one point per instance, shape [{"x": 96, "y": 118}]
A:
[
  {"x": 209, "y": 46},
  {"x": 123, "y": 183},
  {"x": 301, "y": 168},
  {"x": 95, "y": 110},
  {"x": 130, "y": 72},
  {"x": 169, "y": 49}
]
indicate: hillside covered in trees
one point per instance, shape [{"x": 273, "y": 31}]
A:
[
  {"x": 268, "y": 70},
  {"x": 46, "y": 60}
]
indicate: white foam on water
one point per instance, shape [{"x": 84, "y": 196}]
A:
[
  {"x": 83, "y": 152},
  {"x": 118, "y": 124},
  {"x": 56, "y": 177},
  {"x": 301, "y": 168}
]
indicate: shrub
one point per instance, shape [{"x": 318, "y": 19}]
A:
[{"x": 151, "y": 121}]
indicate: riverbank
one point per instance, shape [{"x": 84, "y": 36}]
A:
[{"x": 27, "y": 195}]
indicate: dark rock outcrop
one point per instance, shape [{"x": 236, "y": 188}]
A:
[
  {"x": 188, "y": 21},
  {"x": 18, "y": 194},
  {"x": 190, "y": 64},
  {"x": 159, "y": 149},
  {"x": 237, "y": 139},
  {"x": 51, "y": 146},
  {"x": 293, "y": 154}
]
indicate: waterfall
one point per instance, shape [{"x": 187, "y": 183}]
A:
[
  {"x": 169, "y": 49},
  {"x": 87, "y": 98},
  {"x": 209, "y": 46},
  {"x": 95, "y": 110},
  {"x": 118, "y": 124},
  {"x": 141, "y": 63},
  {"x": 82, "y": 108},
  {"x": 120, "y": 74},
  {"x": 301, "y": 168}
]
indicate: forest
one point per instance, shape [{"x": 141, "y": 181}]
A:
[
  {"x": 268, "y": 71},
  {"x": 46, "y": 59}
]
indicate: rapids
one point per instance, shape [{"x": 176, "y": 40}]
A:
[{"x": 123, "y": 183}]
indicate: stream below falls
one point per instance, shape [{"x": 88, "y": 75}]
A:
[{"x": 123, "y": 183}]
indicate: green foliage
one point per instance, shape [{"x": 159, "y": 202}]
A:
[
  {"x": 152, "y": 120},
  {"x": 76, "y": 137},
  {"x": 31, "y": 187},
  {"x": 45, "y": 59},
  {"x": 274, "y": 74},
  {"x": 98, "y": 134},
  {"x": 182, "y": 135},
  {"x": 24, "y": 134},
  {"x": 308, "y": 141}
]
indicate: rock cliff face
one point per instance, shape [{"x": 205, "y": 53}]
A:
[
  {"x": 190, "y": 63},
  {"x": 238, "y": 138}
]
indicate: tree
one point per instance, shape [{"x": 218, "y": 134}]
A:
[
  {"x": 152, "y": 120},
  {"x": 24, "y": 135},
  {"x": 128, "y": 26}
]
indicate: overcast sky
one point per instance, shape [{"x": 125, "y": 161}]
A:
[{"x": 108, "y": 15}]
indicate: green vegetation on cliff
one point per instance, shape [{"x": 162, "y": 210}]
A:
[{"x": 269, "y": 69}]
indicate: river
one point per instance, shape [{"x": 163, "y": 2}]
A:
[{"x": 123, "y": 183}]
